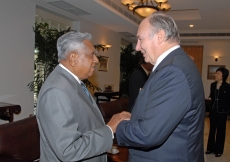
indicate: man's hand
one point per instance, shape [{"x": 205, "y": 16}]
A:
[{"x": 117, "y": 118}]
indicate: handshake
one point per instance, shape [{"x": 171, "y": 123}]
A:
[{"x": 117, "y": 118}]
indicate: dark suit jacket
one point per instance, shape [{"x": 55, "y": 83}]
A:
[
  {"x": 71, "y": 126},
  {"x": 136, "y": 81},
  {"x": 167, "y": 119},
  {"x": 223, "y": 97}
]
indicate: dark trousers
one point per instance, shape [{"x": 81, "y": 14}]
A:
[{"x": 217, "y": 132}]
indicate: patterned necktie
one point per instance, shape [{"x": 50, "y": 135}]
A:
[
  {"x": 86, "y": 90},
  {"x": 87, "y": 93}
]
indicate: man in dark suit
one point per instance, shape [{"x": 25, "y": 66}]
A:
[
  {"x": 167, "y": 119},
  {"x": 70, "y": 123},
  {"x": 137, "y": 80}
]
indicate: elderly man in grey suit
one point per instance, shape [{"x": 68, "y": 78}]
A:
[
  {"x": 168, "y": 117},
  {"x": 70, "y": 123}
]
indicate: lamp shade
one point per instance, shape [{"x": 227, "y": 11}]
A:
[
  {"x": 145, "y": 11},
  {"x": 161, "y": 1},
  {"x": 125, "y": 2},
  {"x": 145, "y": 8},
  {"x": 165, "y": 6},
  {"x": 131, "y": 7},
  {"x": 108, "y": 46}
]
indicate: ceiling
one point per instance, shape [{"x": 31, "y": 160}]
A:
[{"x": 207, "y": 16}]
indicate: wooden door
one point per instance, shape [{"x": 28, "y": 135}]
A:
[{"x": 196, "y": 53}]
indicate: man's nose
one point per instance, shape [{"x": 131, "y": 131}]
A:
[
  {"x": 138, "y": 47},
  {"x": 95, "y": 59}
]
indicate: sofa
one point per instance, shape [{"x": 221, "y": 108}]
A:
[
  {"x": 108, "y": 109},
  {"x": 20, "y": 141}
]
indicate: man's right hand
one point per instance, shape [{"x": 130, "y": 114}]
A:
[{"x": 117, "y": 118}]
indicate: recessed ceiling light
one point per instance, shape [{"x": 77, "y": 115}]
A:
[{"x": 191, "y": 26}]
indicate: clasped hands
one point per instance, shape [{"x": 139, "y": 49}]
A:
[{"x": 117, "y": 118}]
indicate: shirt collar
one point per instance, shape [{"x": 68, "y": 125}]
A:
[
  {"x": 162, "y": 56},
  {"x": 79, "y": 81}
]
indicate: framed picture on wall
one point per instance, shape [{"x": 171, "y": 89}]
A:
[
  {"x": 212, "y": 70},
  {"x": 103, "y": 63}
]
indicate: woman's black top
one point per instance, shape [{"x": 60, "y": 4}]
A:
[{"x": 220, "y": 98}]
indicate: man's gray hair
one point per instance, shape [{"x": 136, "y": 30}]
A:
[
  {"x": 72, "y": 41},
  {"x": 160, "y": 21}
]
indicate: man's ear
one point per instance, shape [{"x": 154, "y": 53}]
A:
[
  {"x": 161, "y": 36},
  {"x": 73, "y": 59}
]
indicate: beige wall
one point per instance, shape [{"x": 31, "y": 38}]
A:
[{"x": 102, "y": 35}]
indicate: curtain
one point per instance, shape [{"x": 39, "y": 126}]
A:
[{"x": 196, "y": 53}]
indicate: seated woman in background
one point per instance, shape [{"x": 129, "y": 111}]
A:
[{"x": 220, "y": 101}]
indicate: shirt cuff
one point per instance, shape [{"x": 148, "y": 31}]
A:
[{"x": 111, "y": 130}]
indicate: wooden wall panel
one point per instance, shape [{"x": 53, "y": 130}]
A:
[{"x": 196, "y": 53}]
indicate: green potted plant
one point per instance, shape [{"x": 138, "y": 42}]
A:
[{"x": 129, "y": 60}]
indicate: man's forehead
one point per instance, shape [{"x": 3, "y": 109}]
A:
[
  {"x": 142, "y": 32},
  {"x": 89, "y": 44}
]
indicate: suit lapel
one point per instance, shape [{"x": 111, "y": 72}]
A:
[
  {"x": 80, "y": 92},
  {"x": 91, "y": 103}
]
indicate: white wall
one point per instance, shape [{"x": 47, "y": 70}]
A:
[
  {"x": 212, "y": 48},
  {"x": 52, "y": 19},
  {"x": 16, "y": 54}
]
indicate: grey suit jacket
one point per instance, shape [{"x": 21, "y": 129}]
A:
[
  {"x": 168, "y": 117},
  {"x": 71, "y": 127}
]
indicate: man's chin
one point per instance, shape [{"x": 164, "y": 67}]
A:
[
  {"x": 91, "y": 72},
  {"x": 146, "y": 60}
]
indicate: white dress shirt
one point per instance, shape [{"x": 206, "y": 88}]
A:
[{"x": 162, "y": 56}]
